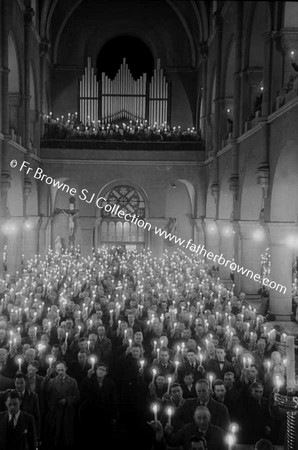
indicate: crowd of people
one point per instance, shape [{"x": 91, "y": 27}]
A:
[
  {"x": 71, "y": 127},
  {"x": 132, "y": 351}
]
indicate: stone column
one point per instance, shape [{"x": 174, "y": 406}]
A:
[
  {"x": 234, "y": 177},
  {"x": 157, "y": 243},
  {"x": 226, "y": 247},
  {"x": 44, "y": 240},
  {"x": 250, "y": 257},
  {"x": 203, "y": 93},
  {"x": 30, "y": 237},
  {"x": 280, "y": 303},
  {"x": 198, "y": 231},
  {"x": 29, "y": 13},
  {"x": 212, "y": 236},
  {"x": 267, "y": 74},
  {"x": 87, "y": 225},
  {"x": 14, "y": 246}
]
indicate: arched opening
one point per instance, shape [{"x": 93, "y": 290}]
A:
[
  {"x": 137, "y": 54},
  {"x": 123, "y": 218}
]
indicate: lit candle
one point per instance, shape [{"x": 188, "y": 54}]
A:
[
  {"x": 268, "y": 365},
  {"x": 51, "y": 359},
  {"x": 176, "y": 365},
  {"x": 154, "y": 372},
  {"x": 170, "y": 412},
  {"x": 169, "y": 384},
  {"x": 201, "y": 359},
  {"x": 130, "y": 342},
  {"x": 20, "y": 364},
  {"x": 142, "y": 362},
  {"x": 278, "y": 382},
  {"x": 210, "y": 377},
  {"x": 154, "y": 408},
  {"x": 92, "y": 359},
  {"x": 157, "y": 352}
]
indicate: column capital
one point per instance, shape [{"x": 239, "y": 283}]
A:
[
  {"x": 280, "y": 232},
  {"x": 289, "y": 39},
  {"x": 157, "y": 221},
  {"x": 247, "y": 228}
]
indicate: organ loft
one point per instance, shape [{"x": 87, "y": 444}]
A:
[{"x": 183, "y": 113}]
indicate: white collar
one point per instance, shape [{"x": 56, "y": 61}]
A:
[{"x": 16, "y": 417}]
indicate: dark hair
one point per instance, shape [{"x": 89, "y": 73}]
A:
[
  {"x": 18, "y": 376},
  {"x": 102, "y": 365},
  {"x": 256, "y": 385},
  {"x": 60, "y": 361},
  {"x": 263, "y": 444},
  {"x": 13, "y": 394},
  {"x": 57, "y": 346},
  {"x": 202, "y": 381},
  {"x": 35, "y": 364},
  {"x": 174, "y": 385},
  {"x": 164, "y": 349},
  {"x": 187, "y": 374},
  {"x": 218, "y": 382}
]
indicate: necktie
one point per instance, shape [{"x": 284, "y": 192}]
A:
[{"x": 11, "y": 422}]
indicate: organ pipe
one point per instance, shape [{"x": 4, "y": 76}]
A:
[{"x": 123, "y": 97}]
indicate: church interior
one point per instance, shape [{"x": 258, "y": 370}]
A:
[{"x": 184, "y": 115}]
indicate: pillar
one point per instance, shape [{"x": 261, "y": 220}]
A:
[
  {"x": 87, "y": 225},
  {"x": 30, "y": 237},
  {"x": 226, "y": 246},
  {"x": 234, "y": 178},
  {"x": 44, "y": 239},
  {"x": 250, "y": 257},
  {"x": 27, "y": 46},
  {"x": 14, "y": 246},
  {"x": 157, "y": 243},
  {"x": 280, "y": 303},
  {"x": 212, "y": 236}
]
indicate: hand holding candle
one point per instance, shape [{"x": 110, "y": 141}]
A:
[
  {"x": 154, "y": 372},
  {"x": 92, "y": 360},
  {"x": 169, "y": 384},
  {"x": 20, "y": 364},
  {"x": 154, "y": 409},
  {"x": 170, "y": 412}
]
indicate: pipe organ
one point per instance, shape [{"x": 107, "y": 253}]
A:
[
  {"x": 89, "y": 96},
  {"x": 158, "y": 97},
  {"x": 124, "y": 98}
]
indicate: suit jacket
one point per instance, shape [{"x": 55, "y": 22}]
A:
[
  {"x": 197, "y": 371},
  {"x": 23, "y": 436},
  {"x": 219, "y": 413},
  {"x": 214, "y": 367},
  {"x": 214, "y": 436},
  {"x": 29, "y": 405},
  {"x": 188, "y": 393}
]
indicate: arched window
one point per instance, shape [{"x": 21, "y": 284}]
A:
[{"x": 116, "y": 231}]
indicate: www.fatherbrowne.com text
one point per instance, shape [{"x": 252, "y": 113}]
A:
[{"x": 115, "y": 210}]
